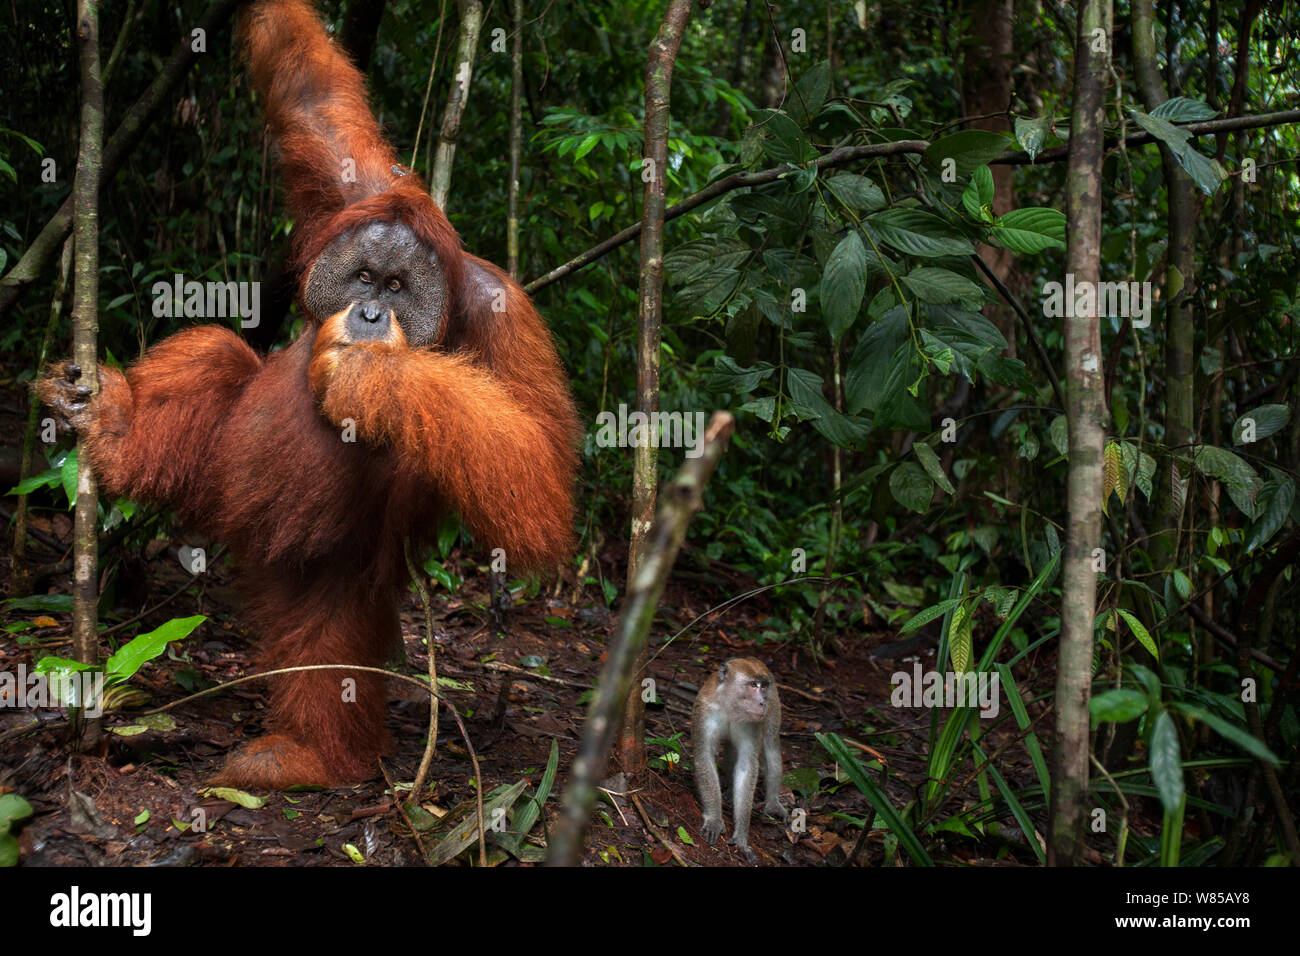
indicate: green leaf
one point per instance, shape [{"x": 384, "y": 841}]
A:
[
  {"x": 1031, "y": 230},
  {"x": 969, "y": 149},
  {"x": 53, "y": 603},
  {"x": 810, "y": 93},
  {"x": 728, "y": 376},
  {"x": 1238, "y": 736},
  {"x": 875, "y": 796},
  {"x": 1242, "y": 481},
  {"x": 1180, "y": 109},
  {"x": 787, "y": 144},
  {"x": 922, "y": 618},
  {"x": 808, "y": 402},
  {"x": 940, "y": 286},
  {"x": 870, "y": 363},
  {"x": 1205, "y": 172},
  {"x": 911, "y": 486},
  {"x": 1023, "y": 819},
  {"x": 68, "y": 475},
  {"x": 897, "y": 406},
  {"x": 844, "y": 283},
  {"x": 1275, "y": 500},
  {"x": 919, "y": 233},
  {"x": 529, "y": 810},
  {"x": 1017, "y": 703},
  {"x": 239, "y": 797},
  {"x": 977, "y": 198},
  {"x": 1032, "y": 134},
  {"x": 959, "y": 640},
  {"x": 930, "y": 462},
  {"x": 691, "y": 260},
  {"x": 1182, "y": 583},
  {"x": 131, "y": 656},
  {"x": 1140, "y": 632},
  {"x": 1146, "y": 472},
  {"x": 1263, "y": 421},
  {"x": 46, "y": 479},
  {"x": 1117, "y": 706},
  {"x": 856, "y": 192},
  {"x": 588, "y": 144},
  {"x": 1059, "y": 433},
  {"x": 12, "y": 809},
  {"x": 764, "y": 408},
  {"x": 1149, "y": 681},
  {"x": 1166, "y": 762}
]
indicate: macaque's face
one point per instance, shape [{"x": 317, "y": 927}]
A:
[
  {"x": 748, "y": 688},
  {"x": 380, "y": 274}
]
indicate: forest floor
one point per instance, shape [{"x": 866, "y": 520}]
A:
[{"x": 132, "y": 799}]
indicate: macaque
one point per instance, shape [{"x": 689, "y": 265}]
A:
[{"x": 738, "y": 706}]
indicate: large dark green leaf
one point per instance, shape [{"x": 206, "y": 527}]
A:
[
  {"x": 787, "y": 142},
  {"x": 1205, "y": 172},
  {"x": 844, "y": 283},
  {"x": 911, "y": 486},
  {"x": 933, "y": 467},
  {"x": 809, "y": 94},
  {"x": 869, "y": 365},
  {"x": 856, "y": 192},
  {"x": 808, "y": 402},
  {"x": 705, "y": 294},
  {"x": 691, "y": 260},
  {"x": 977, "y": 198},
  {"x": 768, "y": 208},
  {"x": 1242, "y": 482},
  {"x": 1275, "y": 500},
  {"x": 919, "y": 233},
  {"x": 728, "y": 376},
  {"x": 1231, "y": 732},
  {"x": 1117, "y": 706},
  {"x": 897, "y": 407},
  {"x": 969, "y": 149},
  {"x": 1181, "y": 109},
  {"x": 1259, "y": 423},
  {"x": 940, "y": 286},
  {"x": 1031, "y": 230},
  {"x": 1166, "y": 762},
  {"x": 971, "y": 324}
]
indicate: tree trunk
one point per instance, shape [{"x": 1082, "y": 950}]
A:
[
  {"x": 654, "y": 173},
  {"x": 1084, "y": 408},
  {"x": 1180, "y": 281},
  {"x": 85, "y": 347},
  {"x": 471, "y": 23},
  {"x": 516, "y": 136}
]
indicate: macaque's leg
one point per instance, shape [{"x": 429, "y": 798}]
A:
[
  {"x": 772, "y": 768},
  {"x": 706, "y": 781},
  {"x": 742, "y": 794}
]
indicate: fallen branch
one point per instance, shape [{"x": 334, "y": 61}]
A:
[{"x": 679, "y": 500}]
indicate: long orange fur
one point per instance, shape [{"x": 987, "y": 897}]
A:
[{"x": 254, "y": 452}]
